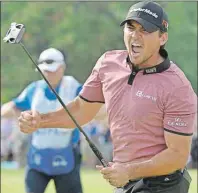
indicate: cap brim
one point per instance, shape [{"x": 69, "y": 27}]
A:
[
  {"x": 149, "y": 27},
  {"x": 51, "y": 68}
]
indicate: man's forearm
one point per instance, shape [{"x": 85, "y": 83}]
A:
[
  {"x": 61, "y": 119},
  {"x": 57, "y": 119},
  {"x": 163, "y": 163}
]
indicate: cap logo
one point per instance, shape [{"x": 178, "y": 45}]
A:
[{"x": 145, "y": 10}]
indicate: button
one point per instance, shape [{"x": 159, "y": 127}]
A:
[{"x": 134, "y": 73}]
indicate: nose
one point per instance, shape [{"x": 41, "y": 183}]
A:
[{"x": 135, "y": 34}]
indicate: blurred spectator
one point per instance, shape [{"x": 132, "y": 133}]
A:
[
  {"x": 105, "y": 135},
  {"x": 14, "y": 144},
  {"x": 53, "y": 153},
  {"x": 106, "y": 146},
  {"x": 6, "y": 130},
  {"x": 193, "y": 158},
  {"x": 194, "y": 152},
  {"x": 89, "y": 158},
  {"x": 99, "y": 133}
]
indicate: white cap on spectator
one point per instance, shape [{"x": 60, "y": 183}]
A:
[{"x": 51, "y": 59}]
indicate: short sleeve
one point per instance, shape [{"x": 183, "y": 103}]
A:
[
  {"x": 23, "y": 101},
  {"x": 181, "y": 111},
  {"x": 92, "y": 88}
]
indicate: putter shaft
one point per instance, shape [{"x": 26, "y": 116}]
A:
[{"x": 92, "y": 146}]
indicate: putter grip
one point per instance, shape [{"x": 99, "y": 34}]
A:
[{"x": 98, "y": 154}]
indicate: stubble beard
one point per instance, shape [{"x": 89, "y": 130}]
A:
[{"x": 141, "y": 63}]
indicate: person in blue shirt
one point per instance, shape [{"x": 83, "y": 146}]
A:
[{"x": 53, "y": 153}]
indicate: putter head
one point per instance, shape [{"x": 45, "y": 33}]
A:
[{"x": 15, "y": 33}]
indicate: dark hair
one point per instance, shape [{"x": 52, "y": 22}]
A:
[{"x": 162, "y": 47}]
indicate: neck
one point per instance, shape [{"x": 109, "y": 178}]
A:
[
  {"x": 55, "y": 83},
  {"x": 151, "y": 61}
]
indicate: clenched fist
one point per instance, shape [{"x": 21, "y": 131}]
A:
[{"x": 29, "y": 121}]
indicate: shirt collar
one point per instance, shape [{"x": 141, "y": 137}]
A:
[
  {"x": 49, "y": 93},
  {"x": 154, "y": 69}
]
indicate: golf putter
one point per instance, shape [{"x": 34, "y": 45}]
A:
[{"x": 14, "y": 36}]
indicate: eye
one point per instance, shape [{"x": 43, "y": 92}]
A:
[
  {"x": 144, "y": 31},
  {"x": 130, "y": 27}
]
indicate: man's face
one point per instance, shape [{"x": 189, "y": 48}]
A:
[
  {"x": 140, "y": 44},
  {"x": 54, "y": 77}
]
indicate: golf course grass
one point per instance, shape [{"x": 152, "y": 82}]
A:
[{"x": 12, "y": 181}]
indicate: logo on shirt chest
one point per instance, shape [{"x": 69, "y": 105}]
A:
[{"x": 141, "y": 94}]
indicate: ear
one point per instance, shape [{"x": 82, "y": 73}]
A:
[{"x": 163, "y": 38}]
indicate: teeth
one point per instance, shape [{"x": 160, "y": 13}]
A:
[{"x": 136, "y": 45}]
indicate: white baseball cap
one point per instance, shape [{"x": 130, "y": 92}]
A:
[{"x": 51, "y": 59}]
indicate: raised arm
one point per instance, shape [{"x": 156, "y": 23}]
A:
[{"x": 81, "y": 110}]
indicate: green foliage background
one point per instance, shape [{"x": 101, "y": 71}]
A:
[{"x": 85, "y": 30}]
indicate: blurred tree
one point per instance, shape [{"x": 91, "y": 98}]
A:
[{"x": 85, "y": 30}]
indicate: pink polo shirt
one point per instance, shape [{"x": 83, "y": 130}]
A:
[{"x": 141, "y": 104}]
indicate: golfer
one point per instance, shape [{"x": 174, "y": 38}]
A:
[
  {"x": 53, "y": 153},
  {"x": 150, "y": 103}
]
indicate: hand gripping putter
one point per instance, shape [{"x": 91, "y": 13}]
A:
[{"x": 14, "y": 36}]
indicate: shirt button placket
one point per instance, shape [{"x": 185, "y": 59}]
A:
[{"x": 131, "y": 77}]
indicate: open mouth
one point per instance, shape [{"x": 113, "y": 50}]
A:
[{"x": 136, "y": 48}]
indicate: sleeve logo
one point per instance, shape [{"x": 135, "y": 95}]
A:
[{"x": 178, "y": 122}]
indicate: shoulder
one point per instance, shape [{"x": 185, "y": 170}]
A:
[
  {"x": 177, "y": 76},
  {"x": 30, "y": 87},
  {"x": 177, "y": 82},
  {"x": 115, "y": 54},
  {"x": 27, "y": 92},
  {"x": 36, "y": 85},
  {"x": 109, "y": 58},
  {"x": 40, "y": 83},
  {"x": 173, "y": 77}
]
